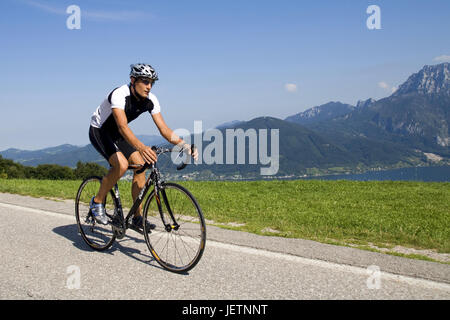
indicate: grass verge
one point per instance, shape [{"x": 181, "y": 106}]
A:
[{"x": 409, "y": 214}]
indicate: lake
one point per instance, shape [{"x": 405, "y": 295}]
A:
[{"x": 428, "y": 174}]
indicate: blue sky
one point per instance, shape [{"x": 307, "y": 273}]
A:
[{"x": 218, "y": 60}]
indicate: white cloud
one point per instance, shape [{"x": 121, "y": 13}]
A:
[
  {"x": 383, "y": 85},
  {"x": 92, "y": 15},
  {"x": 46, "y": 7},
  {"x": 387, "y": 87},
  {"x": 290, "y": 87},
  {"x": 118, "y": 16},
  {"x": 443, "y": 58}
]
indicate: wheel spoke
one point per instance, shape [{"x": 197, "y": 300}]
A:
[
  {"x": 99, "y": 237},
  {"x": 183, "y": 246}
]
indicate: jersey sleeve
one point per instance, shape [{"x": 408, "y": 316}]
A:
[
  {"x": 117, "y": 98},
  {"x": 156, "y": 106}
]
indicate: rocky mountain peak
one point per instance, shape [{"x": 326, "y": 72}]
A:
[
  {"x": 429, "y": 80},
  {"x": 365, "y": 103}
]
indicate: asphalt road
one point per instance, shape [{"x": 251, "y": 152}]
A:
[{"x": 44, "y": 257}]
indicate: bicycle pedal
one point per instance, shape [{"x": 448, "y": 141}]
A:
[
  {"x": 89, "y": 218},
  {"x": 136, "y": 229}
]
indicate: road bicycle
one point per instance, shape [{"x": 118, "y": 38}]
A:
[{"x": 178, "y": 240}]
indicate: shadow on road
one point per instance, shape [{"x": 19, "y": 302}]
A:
[{"x": 70, "y": 232}]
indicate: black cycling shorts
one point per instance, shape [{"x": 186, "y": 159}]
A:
[{"x": 107, "y": 143}]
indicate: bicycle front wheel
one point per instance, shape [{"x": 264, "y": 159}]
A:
[
  {"x": 97, "y": 236},
  {"x": 178, "y": 241}
]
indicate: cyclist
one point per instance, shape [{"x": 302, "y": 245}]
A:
[{"x": 111, "y": 136}]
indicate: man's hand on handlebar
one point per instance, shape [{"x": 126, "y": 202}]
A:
[
  {"x": 191, "y": 150},
  {"x": 148, "y": 154}
]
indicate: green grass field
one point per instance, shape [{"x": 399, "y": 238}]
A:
[{"x": 411, "y": 214}]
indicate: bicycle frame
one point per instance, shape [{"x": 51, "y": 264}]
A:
[{"x": 153, "y": 179}]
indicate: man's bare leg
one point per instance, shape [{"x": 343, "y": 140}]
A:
[
  {"x": 119, "y": 166},
  {"x": 138, "y": 180}
]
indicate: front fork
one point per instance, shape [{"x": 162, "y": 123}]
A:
[{"x": 159, "y": 190}]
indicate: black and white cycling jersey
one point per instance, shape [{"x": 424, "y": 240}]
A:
[{"x": 122, "y": 98}]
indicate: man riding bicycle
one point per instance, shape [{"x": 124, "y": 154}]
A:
[{"x": 111, "y": 136}]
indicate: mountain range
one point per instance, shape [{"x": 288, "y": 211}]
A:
[
  {"x": 67, "y": 154},
  {"x": 416, "y": 116},
  {"x": 408, "y": 128}
]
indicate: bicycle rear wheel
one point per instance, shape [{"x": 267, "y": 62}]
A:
[
  {"x": 97, "y": 236},
  {"x": 178, "y": 241}
]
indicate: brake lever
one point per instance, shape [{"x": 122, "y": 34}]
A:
[{"x": 184, "y": 164}]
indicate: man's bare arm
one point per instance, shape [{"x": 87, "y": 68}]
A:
[
  {"x": 169, "y": 135},
  {"x": 122, "y": 123}
]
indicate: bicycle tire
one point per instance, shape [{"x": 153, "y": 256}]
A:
[
  {"x": 98, "y": 237},
  {"x": 177, "y": 250}
]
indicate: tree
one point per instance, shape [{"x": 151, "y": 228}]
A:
[
  {"x": 84, "y": 170},
  {"x": 54, "y": 172}
]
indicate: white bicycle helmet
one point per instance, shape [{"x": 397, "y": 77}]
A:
[{"x": 142, "y": 70}]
